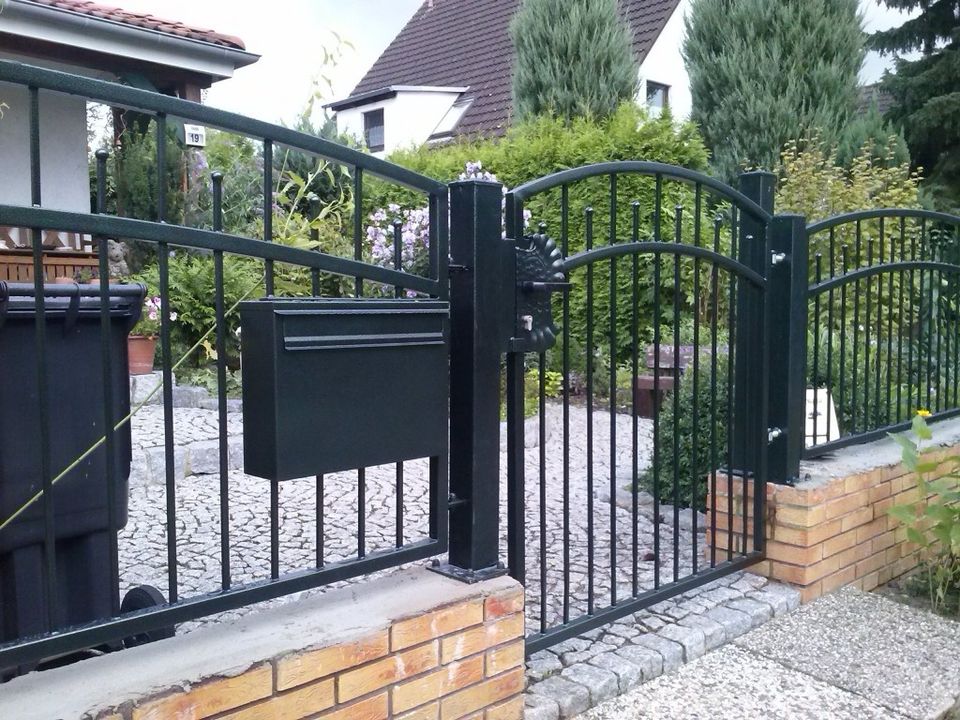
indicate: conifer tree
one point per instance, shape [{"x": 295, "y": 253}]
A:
[
  {"x": 763, "y": 73},
  {"x": 572, "y": 58},
  {"x": 926, "y": 91}
]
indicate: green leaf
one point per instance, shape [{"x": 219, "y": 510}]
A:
[
  {"x": 916, "y": 537},
  {"x": 920, "y": 428},
  {"x": 955, "y": 539},
  {"x": 904, "y": 513}
]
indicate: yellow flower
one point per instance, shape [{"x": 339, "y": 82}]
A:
[{"x": 922, "y": 412}]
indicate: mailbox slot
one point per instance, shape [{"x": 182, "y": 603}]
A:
[{"x": 331, "y": 385}]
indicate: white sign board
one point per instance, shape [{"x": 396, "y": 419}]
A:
[
  {"x": 821, "y": 417},
  {"x": 195, "y": 135}
]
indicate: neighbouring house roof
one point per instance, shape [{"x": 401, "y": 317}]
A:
[
  {"x": 460, "y": 42},
  {"x": 143, "y": 20}
]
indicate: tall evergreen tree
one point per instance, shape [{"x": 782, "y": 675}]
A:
[
  {"x": 572, "y": 58},
  {"x": 763, "y": 73},
  {"x": 926, "y": 91}
]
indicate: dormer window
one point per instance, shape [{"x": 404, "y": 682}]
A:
[{"x": 373, "y": 130}]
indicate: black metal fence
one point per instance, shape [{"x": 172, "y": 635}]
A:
[
  {"x": 647, "y": 333},
  {"x": 39, "y": 499},
  {"x": 883, "y": 338}
]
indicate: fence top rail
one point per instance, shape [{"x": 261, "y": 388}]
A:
[
  {"x": 859, "y": 215},
  {"x": 621, "y": 249},
  {"x": 640, "y": 167},
  {"x": 117, "y": 95},
  {"x": 879, "y": 268},
  {"x": 177, "y": 235}
]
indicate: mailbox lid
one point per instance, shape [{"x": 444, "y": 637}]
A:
[{"x": 348, "y": 383}]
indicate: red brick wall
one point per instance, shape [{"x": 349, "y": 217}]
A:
[{"x": 824, "y": 534}]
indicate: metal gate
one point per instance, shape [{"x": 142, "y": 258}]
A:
[{"x": 641, "y": 291}]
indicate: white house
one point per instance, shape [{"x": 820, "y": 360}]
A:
[
  {"x": 85, "y": 38},
  {"x": 448, "y": 73}
]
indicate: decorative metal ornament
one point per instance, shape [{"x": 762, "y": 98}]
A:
[{"x": 539, "y": 273}]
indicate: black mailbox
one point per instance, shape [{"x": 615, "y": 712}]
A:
[{"x": 332, "y": 385}]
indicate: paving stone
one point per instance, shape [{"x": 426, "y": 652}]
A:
[
  {"x": 902, "y": 658},
  {"x": 781, "y": 598},
  {"x": 732, "y": 684},
  {"x": 652, "y": 623},
  {"x": 677, "y": 612},
  {"x": 625, "y": 631},
  {"x": 540, "y": 668},
  {"x": 649, "y": 661},
  {"x": 576, "y": 644},
  {"x": 713, "y": 632},
  {"x": 759, "y": 612},
  {"x": 722, "y": 594},
  {"x": 690, "y": 639},
  {"x": 613, "y": 639},
  {"x": 602, "y": 684},
  {"x": 540, "y": 707},
  {"x": 671, "y": 652},
  {"x": 571, "y": 698},
  {"x": 735, "y": 623},
  {"x": 629, "y": 675}
]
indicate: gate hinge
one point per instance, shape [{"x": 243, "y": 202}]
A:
[
  {"x": 773, "y": 433},
  {"x": 777, "y": 257}
]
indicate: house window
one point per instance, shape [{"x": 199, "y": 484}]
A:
[
  {"x": 657, "y": 96},
  {"x": 373, "y": 130}
]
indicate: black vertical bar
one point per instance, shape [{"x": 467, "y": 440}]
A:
[
  {"x": 787, "y": 342},
  {"x": 268, "y": 210},
  {"x": 818, "y": 265},
  {"x": 748, "y": 245},
  {"x": 910, "y": 366},
  {"x": 542, "y": 409},
  {"x": 221, "y": 344},
  {"x": 867, "y": 374},
  {"x": 855, "y": 351},
  {"x": 319, "y": 530},
  {"x": 935, "y": 327},
  {"x": 677, "y": 238},
  {"x": 590, "y": 519},
  {"x": 314, "y": 205},
  {"x": 482, "y": 314},
  {"x": 565, "y": 249},
  {"x": 695, "y": 447},
  {"x": 107, "y": 372},
  {"x": 358, "y": 226},
  {"x": 714, "y": 326},
  {"x": 890, "y": 291},
  {"x": 658, "y": 199},
  {"x": 613, "y": 393},
  {"x": 398, "y": 292},
  {"x": 634, "y": 417},
  {"x": 361, "y": 512},
  {"x": 843, "y": 337},
  {"x": 516, "y": 500},
  {"x": 900, "y": 323},
  {"x": 732, "y": 355},
  {"x": 163, "y": 257},
  {"x": 36, "y": 238}
]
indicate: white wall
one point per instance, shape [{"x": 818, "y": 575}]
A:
[
  {"x": 664, "y": 65},
  {"x": 65, "y": 183},
  {"x": 409, "y": 118}
]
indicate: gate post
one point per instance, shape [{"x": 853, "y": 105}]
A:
[
  {"x": 787, "y": 344},
  {"x": 482, "y": 293},
  {"x": 748, "y": 353}
]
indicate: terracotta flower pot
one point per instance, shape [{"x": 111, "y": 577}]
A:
[{"x": 140, "y": 350}]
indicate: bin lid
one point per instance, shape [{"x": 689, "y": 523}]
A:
[{"x": 70, "y": 301}]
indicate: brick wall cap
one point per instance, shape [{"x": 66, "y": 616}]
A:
[
  {"x": 229, "y": 648},
  {"x": 859, "y": 459}
]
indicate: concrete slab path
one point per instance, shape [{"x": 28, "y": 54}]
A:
[{"x": 848, "y": 655}]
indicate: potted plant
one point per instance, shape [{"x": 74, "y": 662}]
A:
[{"x": 142, "y": 342}]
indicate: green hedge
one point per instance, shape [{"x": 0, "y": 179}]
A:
[{"x": 544, "y": 146}]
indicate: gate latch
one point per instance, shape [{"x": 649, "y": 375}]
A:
[
  {"x": 539, "y": 275},
  {"x": 773, "y": 433}
]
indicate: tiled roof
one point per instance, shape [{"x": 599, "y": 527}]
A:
[
  {"x": 142, "y": 20},
  {"x": 467, "y": 42}
]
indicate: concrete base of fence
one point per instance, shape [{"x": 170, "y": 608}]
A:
[
  {"x": 413, "y": 644},
  {"x": 832, "y": 528}
]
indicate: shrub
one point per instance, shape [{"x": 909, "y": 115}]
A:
[
  {"x": 693, "y": 435},
  {"x": 933, "y": 521},
  {"x": 191, "y": 298},
  {"x": 543, "y": 146}
]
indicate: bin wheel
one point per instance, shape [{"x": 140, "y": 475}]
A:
[{"x": 143, "y": 597}]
